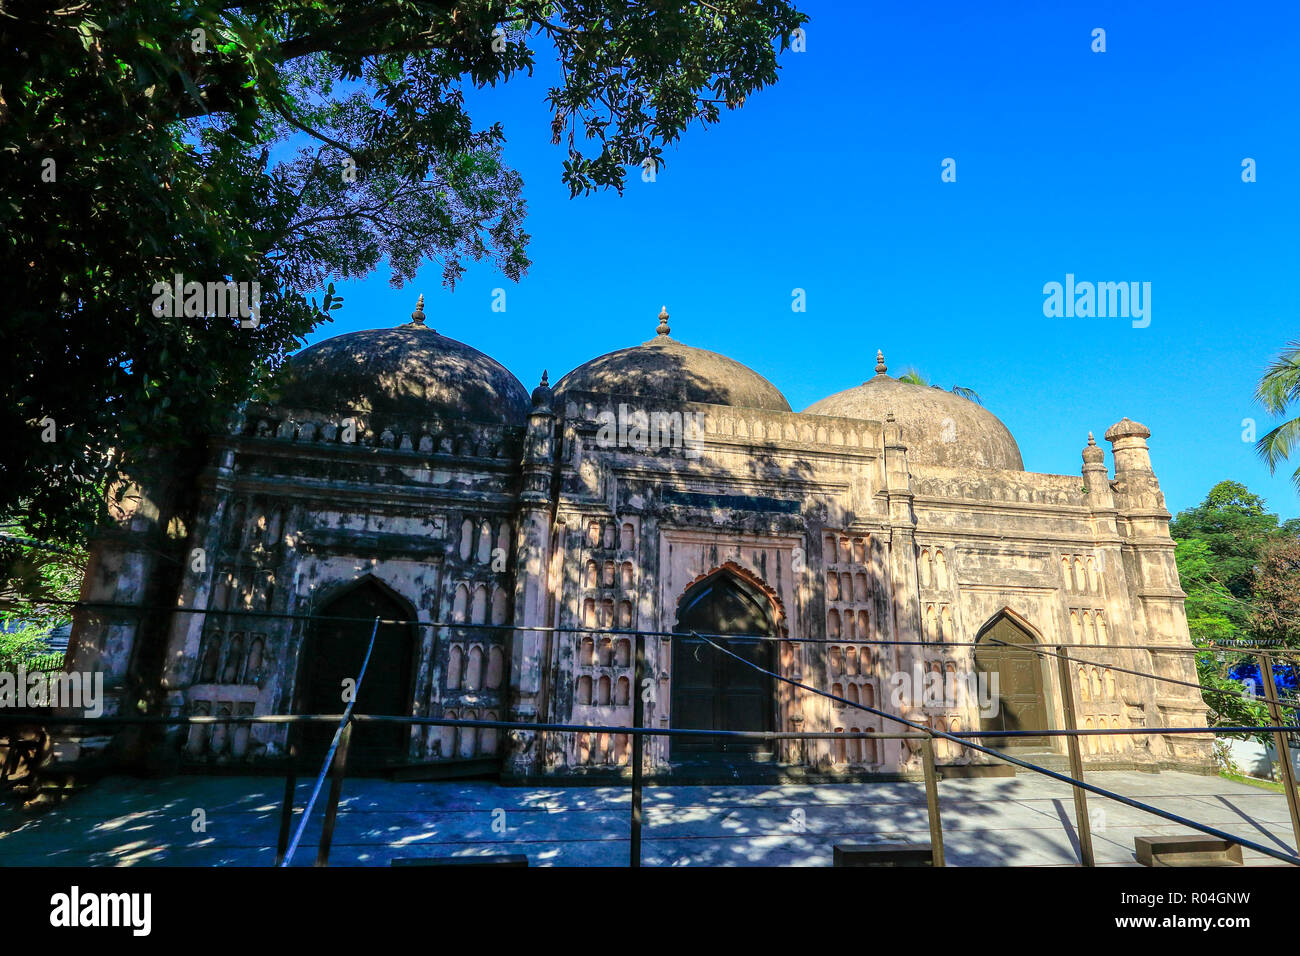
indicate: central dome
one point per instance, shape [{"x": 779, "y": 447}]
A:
[
  {"x": 938, "y": 427},
  {"x": 405, "y": 373},
  {"x": 664, "y": 369}
]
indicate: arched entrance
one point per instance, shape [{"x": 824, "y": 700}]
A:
[
  {"x": 712, "y": 690},
  {"x": 335, "y": 650},
  {"x": 1002, "y": 647}
]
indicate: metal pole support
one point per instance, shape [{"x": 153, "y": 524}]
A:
[
  {"x": 932, "y": 802},
  {"x": 638, "y": 746},
  {"x": 337, "y": 771},
  {"x": 1081, "y": 822},
  {"x": 290, "y": 789},
  {"x": 1283, "y": 749}
]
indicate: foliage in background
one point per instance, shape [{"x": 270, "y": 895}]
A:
[
  {"x": 40, "y": 580},
  {"x": 27, "y": 647},
  {"x": 136, "y": 143},
  {"x": 1241, "y": 571}
]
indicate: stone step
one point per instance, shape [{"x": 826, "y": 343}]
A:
[
  {"x": 1196, "y": 849},
  {"x": 883, "y": 854},
  {"x": 1043, "y": 758}
]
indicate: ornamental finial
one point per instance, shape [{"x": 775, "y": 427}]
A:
[
  {"x": 542, "y": 394},
  {"x": 881, "y": 368},
  {"x": 1092, "y": 455},
  {"x": 418, "y": 315},
  {"x": 663, "y": 321}
]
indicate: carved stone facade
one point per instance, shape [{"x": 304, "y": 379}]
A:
[{"x": 568, "y": 523}]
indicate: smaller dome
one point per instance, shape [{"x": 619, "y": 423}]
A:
[
  {"x": 937, "y": 426},
  {"x": 406, "y": 373},
  {"x": 664, "y": 369},
  {"x": 543, "y": 396}
]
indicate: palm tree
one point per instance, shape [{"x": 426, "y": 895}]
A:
[
  {"x": 1277, "y": 390},
  {"x": 913, "y": 377}
]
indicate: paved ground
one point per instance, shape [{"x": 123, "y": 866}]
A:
[{"x": 1021, "y": 821}]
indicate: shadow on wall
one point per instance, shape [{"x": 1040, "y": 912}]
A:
[{"x": 757, "y": 481}]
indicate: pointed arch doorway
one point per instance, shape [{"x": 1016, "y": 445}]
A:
[
  {"x": 337, "y": 638},
  {"x": 1003, "y": 647},
  {"x": 712, "y": 690}
]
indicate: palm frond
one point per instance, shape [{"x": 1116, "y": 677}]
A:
[
  {"x": 1280, "y": 385},
  {"x": 1277, "y": 445},
  {"x": 913, "y": 377}
]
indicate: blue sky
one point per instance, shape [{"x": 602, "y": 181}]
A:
[{"x": 1115, "y": 166}]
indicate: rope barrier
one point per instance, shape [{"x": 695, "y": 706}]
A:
[
  {"x": 1244, "y": 694},
  {"x": 292, "y": 719},
  {"x": 1204, "y": 688},
  {"x": 625, "y": 632},
  {"x": 1173, "y": 817},
  {"x": 329, "y": 756},
  {"x": 920, "y": 732}
]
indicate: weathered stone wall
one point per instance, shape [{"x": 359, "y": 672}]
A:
[{"x": 541, "y": 532}]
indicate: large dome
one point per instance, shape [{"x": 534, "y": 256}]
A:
[
  {"x": 408, "y": 372},
  {"x": 664, "y": 369},
  {"x": 938, "y": 427}
]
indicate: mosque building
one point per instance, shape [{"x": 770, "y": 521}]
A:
[{"x": 662, "y": 489}]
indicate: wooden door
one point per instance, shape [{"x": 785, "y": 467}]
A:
[
  {"x": 715, "y": 691},
  {"x": 1022, "y": 700},
  {"x": 336, "y": 646}
]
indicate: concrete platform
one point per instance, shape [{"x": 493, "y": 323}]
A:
[{"x": 1010, "y": 821}]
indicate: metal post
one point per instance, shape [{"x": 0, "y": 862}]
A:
[
  {"x": 1081, "y": 823},
  {"x": 638, "y": 718},
  {"x": 337, "y": 772},
  {"x": 932, "y": 802},
  {"x": 1280, "y": 742},
  {"x": 290, "y": 789}
]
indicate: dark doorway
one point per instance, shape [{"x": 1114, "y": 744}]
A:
[
  {"x": 712, "y": 690},
  {"x": 1022, "y": 700},
  {"x": 335, "y": 651}
]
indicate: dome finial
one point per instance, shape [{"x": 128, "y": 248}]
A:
[
  {"x": 881, "y": 368},
  {"x": 1092, "y": 455},
  {"x": 418, "y": 315},
  {"x": 663, "y": 321},
  {"x": 542, "y": 394}
]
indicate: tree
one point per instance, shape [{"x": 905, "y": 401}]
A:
[
  {"x": 1275, "y": 612},
  {"x": 1277, "y": 391},
  {"x": 1212, "y": 612},
  {"x": 282, "y": 143},
  {"x": 914, "y": 377},
  {"x": 1238, "y": 567},
  {"x": 1234, "y": 525}
]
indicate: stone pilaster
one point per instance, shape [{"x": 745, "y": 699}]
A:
[
  {"x": 905, "y": 586},
  {"x": 532, "y": 562},
  {"x": 1142, "y": 521}
]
